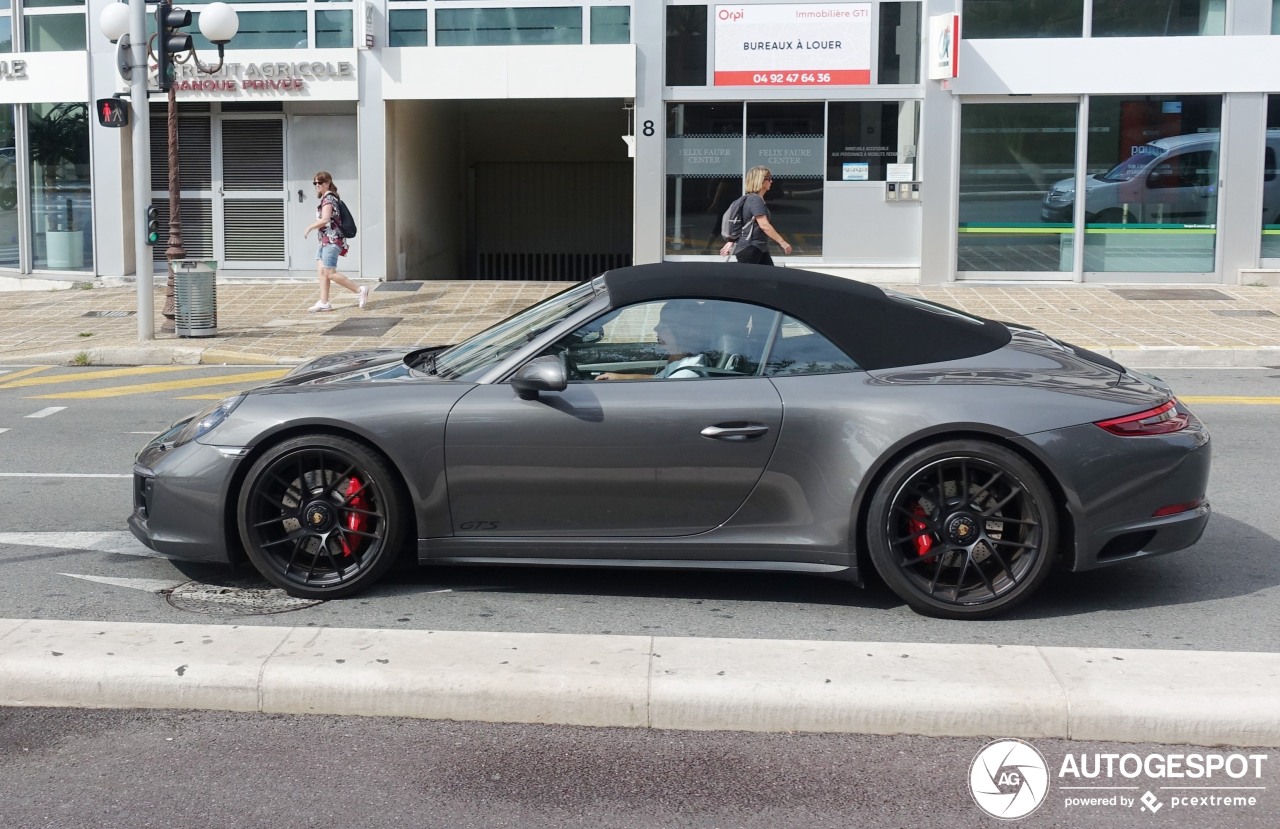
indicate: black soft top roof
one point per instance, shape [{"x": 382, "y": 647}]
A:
[{"x": 874, "y": 329}]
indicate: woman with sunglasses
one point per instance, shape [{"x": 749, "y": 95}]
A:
[
  {"x": 752, "y": 247},
  {"x": 332, "y": 243}
]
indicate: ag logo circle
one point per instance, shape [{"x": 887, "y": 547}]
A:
[{"x": 1008, "y": 779}]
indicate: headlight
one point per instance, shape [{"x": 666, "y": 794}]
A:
[{"x": 207, "y": 420}]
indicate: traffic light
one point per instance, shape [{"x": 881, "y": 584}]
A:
[
  {"x": 170, "y": 40},
  {"x": 153, "y": 224}
]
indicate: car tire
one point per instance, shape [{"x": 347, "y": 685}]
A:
[
  {"x": 321, "y": 516},
  {"x": 962, "y": 529}
]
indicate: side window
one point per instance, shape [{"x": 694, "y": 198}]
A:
[
  {"x": 672, "y": 339},
  {"x": 798, "y": 349},
  {"x": 1269, "y": 165}
]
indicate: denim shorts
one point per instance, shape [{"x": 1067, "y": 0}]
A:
[{"x": 328, "y": 255}]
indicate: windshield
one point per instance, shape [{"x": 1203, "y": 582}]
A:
[
  {"x": 1134, "y": 164},
  {"x": 491, "y": 345}
]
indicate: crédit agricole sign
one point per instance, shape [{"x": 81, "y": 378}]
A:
[{"x": 811, "y": 44}]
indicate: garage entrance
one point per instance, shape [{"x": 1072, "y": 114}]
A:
[{"x": 524, "y": 190}]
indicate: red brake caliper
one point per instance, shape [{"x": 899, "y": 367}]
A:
[
  {"x": 355, "y": 521},
  {"x": 923, "y": 540}
]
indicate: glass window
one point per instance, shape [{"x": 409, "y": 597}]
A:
[
  {"x": 508, "y": 27},
  {"x": 1011, "y": 156},
  {"x": 798, "y": 349},
  {"x": 407, "y": 27},
  {"x": 1125, "y": 18},
  {"x": 899, "y": 43},
  {"x": 865, "y": 137},
  {"x": 258, "y": 30},
  {"x": 704, "y": 174},
  {"x": 788, "y": 139},
  {"x": 1275, "y": 17},
  {"x": 1152, "y": 203},
  {"x": 1270, "y": 183},
  {"x": 686, "y": 46},
  {"x": 8, "y": 190},
  {"x": 333, "y": 30},
  {"x": 1022, "y": 18},
  {"x": 6, "y": 33},
  {"x": 58, "y": 142},
  {"x": 674, "y": 339},
  {"x": 610, "y": 24},
  {"x": 54, "y": 32}
]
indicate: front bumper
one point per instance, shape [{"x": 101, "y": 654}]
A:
[{"x": 179, "y": 500}]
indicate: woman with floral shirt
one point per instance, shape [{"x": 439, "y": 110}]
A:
[{"x": 332, "y": 243}]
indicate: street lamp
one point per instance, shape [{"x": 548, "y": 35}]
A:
[{"x": 219, "y": 23}]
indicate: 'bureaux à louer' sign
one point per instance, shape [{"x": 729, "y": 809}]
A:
[{"x": 808, "y": 44}]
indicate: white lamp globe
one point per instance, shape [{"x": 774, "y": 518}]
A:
[
  {"x": 219, "y": 22},
  {"x": 114, "y": 21}
]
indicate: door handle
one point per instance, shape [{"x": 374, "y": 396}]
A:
[
  {"x": 300, "y": 197},
  {"x": 735, "y": 431}
]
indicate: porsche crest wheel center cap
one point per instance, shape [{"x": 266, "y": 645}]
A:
[
  {"x": 317, "y": 517},
  {"x": 962, "y": 530}
]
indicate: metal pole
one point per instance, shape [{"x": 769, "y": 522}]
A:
[
  {"x": 175, "y": 251},
  {"x": 141, "y": 126}
]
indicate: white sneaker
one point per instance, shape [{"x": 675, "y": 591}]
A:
[
  {"x": 362, "y": 295},
  {"x": 320, "y": 306}
]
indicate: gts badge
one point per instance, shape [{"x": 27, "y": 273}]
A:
[{"x": 478, "y": 525}]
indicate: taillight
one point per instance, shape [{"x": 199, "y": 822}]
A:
[
  {"x": 1175, "y": 509},
  {"x": 1158, "y": 421}
]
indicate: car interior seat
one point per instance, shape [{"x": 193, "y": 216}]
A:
[{"x": 731, "y": 358}]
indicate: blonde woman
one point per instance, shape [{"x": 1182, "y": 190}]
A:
[
  {"x": 332, "y": 243},
  {"x": 752, "y": 247}
]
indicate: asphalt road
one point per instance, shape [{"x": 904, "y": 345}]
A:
[
  {"x": 1220, "y": 595},
  {"x": 140, "y": 769}
]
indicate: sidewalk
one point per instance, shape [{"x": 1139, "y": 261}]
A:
[{"x": 268, "y": 323}]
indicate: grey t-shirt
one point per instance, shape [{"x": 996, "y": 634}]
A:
[{"x": 752, "y": 208}]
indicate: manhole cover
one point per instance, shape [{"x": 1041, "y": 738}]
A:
[
  {"x": 364, "y": 327},
  {"x": 1169, "y": 294},
  {"x": 1246, "y": 313},
  {"x": 234, "y": 600},
  {"x": 399, "y": 286}
]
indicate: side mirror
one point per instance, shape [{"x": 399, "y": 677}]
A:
[{"x": 538, "y": 375}]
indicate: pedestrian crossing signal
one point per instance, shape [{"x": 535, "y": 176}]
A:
[{"x": 113, "y": 112}]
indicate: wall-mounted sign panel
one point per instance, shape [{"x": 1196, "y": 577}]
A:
[
  {"x": 44, "y": 77},
  {"x": 808, "y": 44},
  {"x": 944, "y": 46}
]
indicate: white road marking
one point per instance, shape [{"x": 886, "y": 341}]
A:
[
  {"x": 47, "y": 412},
  {"x": 4, "y": 429},
  {"x": 149, "y": 585},
  {"x": 121, "y": 542},
  {"x": 64, "y": 474}
]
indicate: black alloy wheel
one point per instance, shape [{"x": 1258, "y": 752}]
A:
[
  {"x": 321, "y": 517},
  {"x": 963, "y": 530}
]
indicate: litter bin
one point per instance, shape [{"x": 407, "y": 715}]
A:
[{"x": 195, "y": 298}]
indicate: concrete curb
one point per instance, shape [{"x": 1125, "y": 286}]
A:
[{"x": 1201, "y": 698}]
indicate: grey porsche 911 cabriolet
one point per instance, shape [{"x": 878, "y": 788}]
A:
[{"x": 708, "y": 416}]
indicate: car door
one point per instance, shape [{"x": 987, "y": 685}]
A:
[{"x": 655, "y": 457}]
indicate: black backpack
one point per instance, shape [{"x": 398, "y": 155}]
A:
[{"x": 346, "y": 222}]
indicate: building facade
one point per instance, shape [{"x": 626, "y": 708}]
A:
[{"x": 910, "y": 140}]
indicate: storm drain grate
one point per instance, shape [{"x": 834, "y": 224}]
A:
[
  {"x": 1246, "y": 313},
  {"x": 364, "y": 327},
  {"x": 1169, "y": 293},
  {"x": 108, "y": 313},
  {"x": 234, "y": 600},
  {"x": 399, "y": 286}
]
